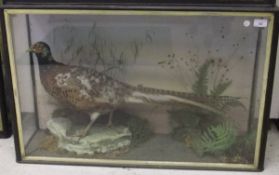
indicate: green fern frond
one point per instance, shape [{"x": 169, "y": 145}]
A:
[
  {"x": 215, "y": 139},
  {"x": 220, "y": 88},
  {"x": 200, "y": 86},
  {"x": 225, "y": 103}
]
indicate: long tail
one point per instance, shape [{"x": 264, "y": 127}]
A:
[
  {"x": 157, "y": 98},
  {"x": 205, "y": 99}
]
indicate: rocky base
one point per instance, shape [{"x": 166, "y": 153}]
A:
[{"x": 100, "y": 139}]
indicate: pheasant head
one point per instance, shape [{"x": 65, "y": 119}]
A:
[{"x": 42, "y": 51}]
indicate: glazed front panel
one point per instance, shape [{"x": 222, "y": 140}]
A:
[{"x": 184, "y": 89}]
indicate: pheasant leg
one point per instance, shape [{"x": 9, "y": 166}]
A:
[
  {"x": 110, "y": 119},
  {"x": 93, "y": 118}
]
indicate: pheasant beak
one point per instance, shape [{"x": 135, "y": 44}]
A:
[
  {"x": 33, "y": 49},
  {"x": 36, "y": 48},
  {"x": 30, "y": 50}
]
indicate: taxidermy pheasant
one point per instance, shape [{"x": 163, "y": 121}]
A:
[{"x": 88, "y": 90}]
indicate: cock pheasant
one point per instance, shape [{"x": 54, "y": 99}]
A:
[{"x": 90, "y": 91}]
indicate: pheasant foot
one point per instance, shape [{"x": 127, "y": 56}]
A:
[{"x": 83, "y": 132}]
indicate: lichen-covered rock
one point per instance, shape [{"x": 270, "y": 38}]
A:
[
  {"x": 100, "y": 139},
  {"x": 59, "y": 126}
]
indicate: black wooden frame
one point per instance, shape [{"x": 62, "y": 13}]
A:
[
  {"x": 8, "y": 78},
  {"x": 5, "y": 131}
]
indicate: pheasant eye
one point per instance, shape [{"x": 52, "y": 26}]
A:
[{"x": 38, "y": 48}]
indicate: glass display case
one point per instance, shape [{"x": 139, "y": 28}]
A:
[{"x": 142, "y": 88}]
